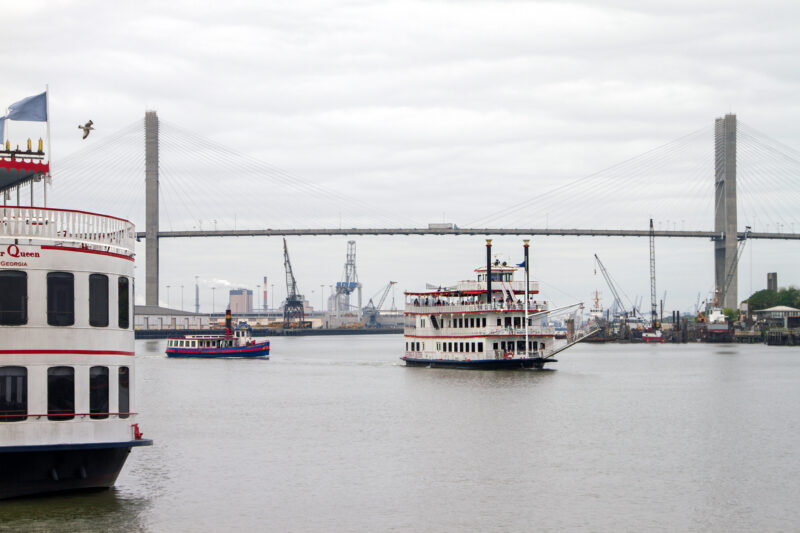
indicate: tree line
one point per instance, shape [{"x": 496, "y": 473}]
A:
[{"x": 789, "y": 296}]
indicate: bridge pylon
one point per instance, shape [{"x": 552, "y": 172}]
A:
[
  {"x": 151, "y": 207},
  {"x": 725, "y": 245}
]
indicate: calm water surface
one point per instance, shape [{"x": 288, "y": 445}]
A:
[{"x": 333, "y": 434}]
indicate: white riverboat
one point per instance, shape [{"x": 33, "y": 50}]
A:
[
  {"x": 67, "y": 402},
  {"x": 492, "y": 322}
]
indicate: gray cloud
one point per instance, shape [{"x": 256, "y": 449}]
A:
[{"x": 420, "y": 109}]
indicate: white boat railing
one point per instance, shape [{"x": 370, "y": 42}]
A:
[
  {"x": 67, "y": 226},
  {"x": 481, "y": 332},
  {"x": 498, "y": 307},
  {"x": 518, "y": 286},
  {"x": 462, "y": 356}
]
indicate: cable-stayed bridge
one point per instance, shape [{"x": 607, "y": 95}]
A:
[{"x": 182, "y": 182}]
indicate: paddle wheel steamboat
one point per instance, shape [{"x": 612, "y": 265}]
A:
[{"x": 492, "y": 322}]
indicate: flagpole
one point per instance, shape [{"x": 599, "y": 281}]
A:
[
  {"x": 49, "y": 150},
  {"x": 527, "y": 286}
]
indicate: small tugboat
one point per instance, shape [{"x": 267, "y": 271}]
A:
[
  {"x": 238, "y": 342},
  {"x": 490, "y": 323},
  {"x": 67, "y": 400},
  {"x": 651, "y": 335}
]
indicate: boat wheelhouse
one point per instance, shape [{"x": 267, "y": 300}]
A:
[
  {"x": 67, "y": 401},
  {"x": 238, "y": 342},
  {"x": 492, "y": 322}
]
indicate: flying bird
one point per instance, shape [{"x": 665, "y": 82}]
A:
[{"x": 86, "y": 128}]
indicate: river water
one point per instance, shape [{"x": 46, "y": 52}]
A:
[{"x": 334, "y": 434}]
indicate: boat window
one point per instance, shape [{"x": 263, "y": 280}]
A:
[
  {"x": 13, "y": 298},
  {"x": 480, "y": 347},
  {"x": 124, "y": 391},
  {"x": 13, "y": 393},
  {"x": 494, "y": 346},
  {"x": 123, "y": 303},
  {"x": 499, "y": 322},
  {"x": 422, "y": 322},
  {"x": 98, "y": 300},
  {"x": 60, "y": 299},
  {"x": 98, "y": 392},
  {"x": 61, "y": 393},
  {"x": 483, "y": 322}
]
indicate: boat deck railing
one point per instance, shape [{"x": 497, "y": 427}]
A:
[
  {"x": 481, "y": 332},
  {"x": 460, "y": 356},
  {"x": 436, "y": 307},
  {"x": 68, "y": 227}
]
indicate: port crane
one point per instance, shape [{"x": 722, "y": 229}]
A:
[
  {"x": 617, "y": 299},
  {"x": 349, "y": 282},
  {"x": 293, "y": 309},
  {"x": 653, "y": 303},
  {"x": 371, "y": 310}
]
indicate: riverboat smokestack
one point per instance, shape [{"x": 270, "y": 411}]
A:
[
  {"x": 489, "y": 271},
  {"x": 228, "y": 322}
]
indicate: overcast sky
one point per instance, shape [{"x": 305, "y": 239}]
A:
[{"x": 424, "y": 111}]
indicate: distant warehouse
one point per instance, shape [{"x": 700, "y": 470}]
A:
[{"x": 156, "y": 317}]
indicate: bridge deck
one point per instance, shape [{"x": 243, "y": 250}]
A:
[{"x": 464, "y": 231}]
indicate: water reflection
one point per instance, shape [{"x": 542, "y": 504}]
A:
[
  {"x": 101, "y": 510},
  {"x": 336, "y": 434}
]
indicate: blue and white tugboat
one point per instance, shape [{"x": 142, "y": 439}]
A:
[
  {"x": 67, "y": 402},
  {"x": 238, "y": 342},
  {"x": 494, "y": 322}
]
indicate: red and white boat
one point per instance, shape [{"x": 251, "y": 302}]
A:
[
  {"x": 67, "y": 402},
  {"x": 492, "y": 322}
]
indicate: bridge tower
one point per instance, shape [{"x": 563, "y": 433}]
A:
[
  {"x": 151, "y": 207},
  {"x": 725, "y": 208}
]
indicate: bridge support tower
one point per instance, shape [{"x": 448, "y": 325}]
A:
[
  {"x": 725, "y": 248},
  {"x": 151, "y": 207}
]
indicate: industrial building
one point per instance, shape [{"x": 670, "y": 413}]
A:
[{"x": 241, "y": 301}]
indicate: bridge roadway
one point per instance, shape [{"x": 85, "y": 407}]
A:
[{"x": 462, "y": 231}]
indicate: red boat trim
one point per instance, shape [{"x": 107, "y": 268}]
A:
[
  {"x": 530, "y": 312},
  {"x": 67, "y": 352},
  {"x": 465, "y": 293},
  {"x": 257, "y": 348},
  {"x": 86, "y": 251},
  {"x": 472, "y": 336}
]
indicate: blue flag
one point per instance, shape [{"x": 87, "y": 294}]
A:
[
  {"x": 521, "y": 264},
  {"x": 32, "y": 108}
]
